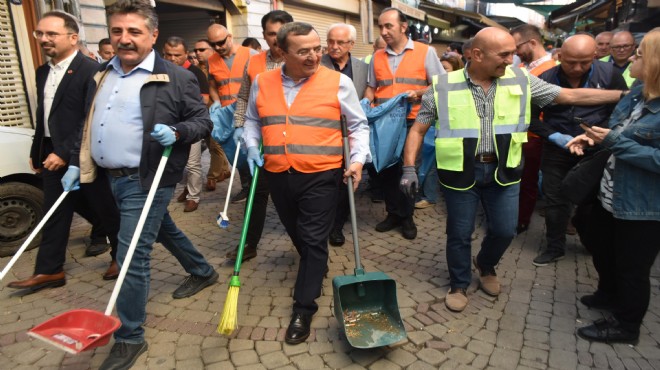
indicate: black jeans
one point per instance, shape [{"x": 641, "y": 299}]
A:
[
  {"x": 396, "y": 203},
  {"x": 623, "y": 253},
  {"x": 555, "y": 164},
  {"x": 259, "y": 206},
  {"x": 306, "y": 204}
]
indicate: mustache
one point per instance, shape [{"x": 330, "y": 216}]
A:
[
  {"x": 126, "y": 47},
  {"x": 47, "y": 44}
]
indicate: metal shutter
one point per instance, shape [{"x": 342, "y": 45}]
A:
[
  {"x": 191, "y": 26},
  {"x": 320, "y": 19},
  {"x": 360, "y": 49},
  {"x": 14, "y": 108}
]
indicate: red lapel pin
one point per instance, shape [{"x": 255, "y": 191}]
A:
[{"x": 69, "y": 71}]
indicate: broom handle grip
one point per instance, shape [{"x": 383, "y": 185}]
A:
[
  {"x": 138, "y": 230},
  {"x": 351, "y": 195},
  {"x": 32, "y": 235},
  {"x": 231, "y": 178}
]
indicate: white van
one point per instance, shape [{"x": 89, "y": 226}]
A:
[{"x": 21, "y": 197}]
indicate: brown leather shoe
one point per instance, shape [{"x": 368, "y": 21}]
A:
[
  {"x": 38, "y": 282},
  {"x": 488, "y": 281},
  {"x": 210, "y": 184},
  {"x": 191, "y": 206},
  {"x": 456, "y": 299},
  {"x": 182, "y": 197},
  {"x": 113, "y": 271},
  {"x": 248, "y": 254}
]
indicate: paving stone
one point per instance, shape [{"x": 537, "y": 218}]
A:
[
  {"x": 504, "y": 358},
  {"x": 480, "y": 348},
  {"x": 245, "y": 357},
  {"x": 561, "y": 359},
  {"x": 337, "y": 360},
  {"x": 419, "y": 337},
  {"x": 274, "y": 360},
  {"x": 306, "y": 361},
  {"x": 508, "y": 339},
  {"x": 384, "y": 364},
  {"x": 401, "y": 357},
  {"x": 460, "y": 355}
]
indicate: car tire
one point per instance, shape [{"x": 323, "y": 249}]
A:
[{"x": 21, "y": 209}]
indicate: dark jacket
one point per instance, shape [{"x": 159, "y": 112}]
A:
[
  {"x": 170, "y": 96},
  {"x": 561, "y": 118},
  {"x": 360, "y": 71},
  {"x": 67, "y": 112}
]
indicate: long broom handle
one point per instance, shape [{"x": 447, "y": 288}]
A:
[
  {"x": 246, "y": 219},
  {"x": 231, "y": 178},
  {"x": 33, "y": 235},
  {"x": 351, "y": 196},
  {"x": 138, "y": 230}
]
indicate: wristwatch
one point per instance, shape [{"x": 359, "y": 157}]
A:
[{"x": 176, "y": 132}]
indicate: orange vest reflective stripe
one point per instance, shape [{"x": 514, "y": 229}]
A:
[
  {"x": 410, "y": 75},
  {"x": 306, "y": 135},
  {"x": 257, "y": 65},
  {"x": 228, "y": 81}
]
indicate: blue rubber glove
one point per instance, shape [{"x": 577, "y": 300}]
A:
[
  {"x": 560, "y": 139},
  {"x": 216, "y": 133},
  {"x": 238, "y": 133},
  {"x": 409, "y": 181},
  {"x": 163, "y": 134},
  {"x": 215, "y": 106},
  {"x": 254, "y": 157},
  {"x": 71, "y": 179}
]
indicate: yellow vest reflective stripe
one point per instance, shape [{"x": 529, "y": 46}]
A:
[{"x": 458, "y": 129}]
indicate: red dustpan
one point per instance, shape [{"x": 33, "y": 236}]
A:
[{"x": 81, "y": 330}]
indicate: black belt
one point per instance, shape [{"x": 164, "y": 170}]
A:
[
  {"x": 121, "y": 172},
  {"x": 486, "y": 158}
]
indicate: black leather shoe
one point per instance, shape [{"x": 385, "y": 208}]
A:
[
  {"x": 390, "y": 222},
  {"x": 97, "y": 247},
  {"x": 608, "y": 331},
  {"x": 597, "y": 301},
  {"x": 123, "y": 355},
  {"x": 408, "y": 228},
  {"x": 194, "y": 284},
  {"x": 248, "y": 254},
  {"x": 298, "y": 329},
  {"x": 336, "y": 238}
]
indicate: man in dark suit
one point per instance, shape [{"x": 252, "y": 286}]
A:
[
  {"x": 62, "y": 90},
  {"x": 341, "y": 38}
]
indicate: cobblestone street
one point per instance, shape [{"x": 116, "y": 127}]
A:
[{"x": 531, "y": 325}]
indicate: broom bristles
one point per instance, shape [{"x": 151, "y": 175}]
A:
[{"x": 228, "y": 320}]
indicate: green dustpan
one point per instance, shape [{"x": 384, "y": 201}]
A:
[{"x": 365, "y": 303}]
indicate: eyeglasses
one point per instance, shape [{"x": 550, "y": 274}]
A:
[
  {"x": 201, "y": 50},
  {"x": 49, "y": 35},
  {"x": 218, "y": 43},
  {"x": 306, "y": 53},
  {"x": 522, "y": 43},
  {"x": 339, "y": 43},
  {"x": 621, "y": 47}
]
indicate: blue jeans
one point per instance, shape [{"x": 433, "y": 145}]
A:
[
  {"x": 500, "y": 204},
  {"x": 134, "y": 293}
]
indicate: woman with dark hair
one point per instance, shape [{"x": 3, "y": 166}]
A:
[
  {"x": 451, "y": 62},
  {"x": 625, "y": 224}
]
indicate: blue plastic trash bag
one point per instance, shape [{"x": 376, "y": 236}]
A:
[
  {"x": 387, "y": 130},
  {"x": 223, "y": 132},
  {"x": 428, "y": 155}
]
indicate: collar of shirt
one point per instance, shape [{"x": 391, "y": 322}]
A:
[
  {"x": 63, "y": 64},
  {"x": 563, "y": 81},
  {"x": 288, "y": 81},
  {"x": 539, "y": 61},
  {"x": 147, "y": 64},
  {"x": 409, "y": 45},
  {"x": 346, "y": 66}
]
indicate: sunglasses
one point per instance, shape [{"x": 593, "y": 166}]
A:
[
  {"x": 219, "y": 43},
  {"x": 201, "y": 50}
]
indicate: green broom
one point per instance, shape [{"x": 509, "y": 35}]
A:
[{"x": 228, "y": 320}]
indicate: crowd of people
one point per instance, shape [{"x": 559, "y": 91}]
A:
[{"x": 495, "y": 127}]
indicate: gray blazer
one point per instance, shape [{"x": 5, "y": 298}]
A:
[{"x": 360, "y": 70}]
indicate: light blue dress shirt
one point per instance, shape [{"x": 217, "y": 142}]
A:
[
  {"x": 117, "y": 126},
  {"x": 356, "y": 120}
]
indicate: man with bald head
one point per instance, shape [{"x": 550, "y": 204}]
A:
[
  {"x": 603, "y": 44},
  {"x": 622, "y": 47},
  {"x": 483, "y": 109},
  {"x": 560, "y": 125}
]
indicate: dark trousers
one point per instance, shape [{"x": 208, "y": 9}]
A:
[
  {"x": 93, "y": 201},
  {"x": 555, "y": 165},
  {"x": 623, "y": 253},
  {"x": 396, "y": 203},
  {"x": 342, "y": 206},
  {"x": 258, "y": 215},
  {"x": 306, "y": 204},
  {"x": 529, "y": 182}
]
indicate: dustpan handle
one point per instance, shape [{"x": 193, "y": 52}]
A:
[
  {"x": 138, "y": 229},
  {"x": 351, "y": 196},
  {"x": 32, "y": 235}
]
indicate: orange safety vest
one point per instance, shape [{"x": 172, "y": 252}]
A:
[
  {"x": 410, "y": 75},
  {"x": 228, "y": 81},
  {"x": 536, "y": 71},
  {"x": 306, "y": 135},
  {"x": 257, "y": 65}
]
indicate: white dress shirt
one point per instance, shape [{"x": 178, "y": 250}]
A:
[{"x": 55, "y": 75}]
